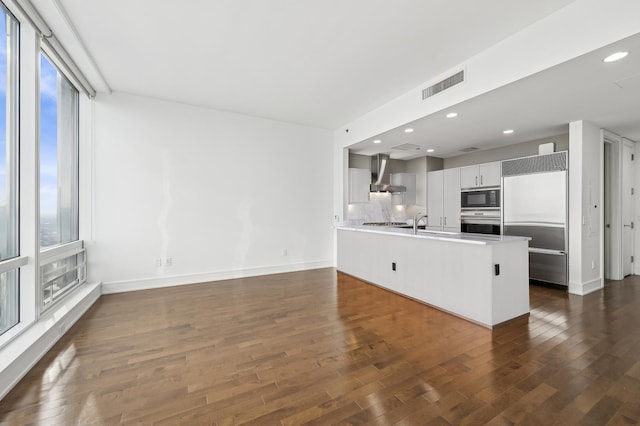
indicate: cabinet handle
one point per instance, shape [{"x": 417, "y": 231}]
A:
[
  {"x": 445, "y": 221},
  {"x": 481, "y": 180},
  {"x": 476, "y": 180}
]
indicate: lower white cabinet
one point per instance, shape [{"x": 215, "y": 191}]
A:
[
  {"x": 443, "y": 199},
  {"x": 458, "y": 277}
]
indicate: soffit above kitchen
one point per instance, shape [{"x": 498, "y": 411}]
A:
[
  {"x": 536, "y": 107},
  {"x": 319, "y": 64}
]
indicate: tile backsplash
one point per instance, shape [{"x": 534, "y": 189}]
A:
[{"x": 378, "y": 209}]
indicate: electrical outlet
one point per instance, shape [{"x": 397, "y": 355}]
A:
[
  {"x": 169, "y": 261},
  {"x": 158, "y": 262}
]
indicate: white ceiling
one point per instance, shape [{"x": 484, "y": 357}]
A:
[
  {"x": 538, "y": 106},
  {"x": 321, "y": 63}
]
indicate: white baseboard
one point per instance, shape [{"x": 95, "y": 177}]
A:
[
  {"x": 22, "y": 353},
  {"x": 582, "y": 289},
  {"x": 175, "y": 280}
]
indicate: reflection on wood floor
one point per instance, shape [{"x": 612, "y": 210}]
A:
[{"x": 322, "y": 347}]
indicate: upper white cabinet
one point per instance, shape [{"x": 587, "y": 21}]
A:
[
  {"x": 479, "y": 175},
  {"x": 443, "y": 205},
  {"x": 359, "y": 180},
  {"x": 408, "y": 180}
]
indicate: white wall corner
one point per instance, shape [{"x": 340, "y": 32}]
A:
[
  {"x": 585, "y": 212},
  {"x": 575, "y": 204},
  {"x": 582, "y": 289}
]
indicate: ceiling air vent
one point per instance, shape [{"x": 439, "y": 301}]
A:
[
  {"x": 443, "y": 85},
  {"x": 470, "y": 149},
  {"x": 407, "y": 147}
]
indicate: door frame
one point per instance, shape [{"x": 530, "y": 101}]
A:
[
  {"x": 632, "y": 202},
  {"x": 615, "y": 232}
]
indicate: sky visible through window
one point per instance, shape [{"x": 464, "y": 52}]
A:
[{"x": 48, "y": 138}]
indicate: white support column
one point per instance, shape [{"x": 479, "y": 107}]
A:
[{"x": 585, "y": 211}]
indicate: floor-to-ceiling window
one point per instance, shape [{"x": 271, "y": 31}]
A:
[
  {"x": 9, "y": 226},
  {"x": 61, "y": 268}
]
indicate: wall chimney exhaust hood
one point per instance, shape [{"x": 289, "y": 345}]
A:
[{"x": 380, "y": 177}]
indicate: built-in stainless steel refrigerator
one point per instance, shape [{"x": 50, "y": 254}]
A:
[{"x": 534, "y": 191}]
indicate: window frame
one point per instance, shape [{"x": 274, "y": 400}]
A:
[
  {"x": 59, "y": 66},
  {"x": 75, "y": 247},
  {"x": 13, "y": 171}
]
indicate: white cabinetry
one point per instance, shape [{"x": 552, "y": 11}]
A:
[
  {"x": 443, "y": 205},
  {"x": 359, "y": 180},
  {"x": 479, "y": 175},
  {"x": 435, "y": 200},
  {"x": 429, "y": 270},
  {"x": 408, "y": 180}
]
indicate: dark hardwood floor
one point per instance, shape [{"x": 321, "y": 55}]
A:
[{"x": 322, "y": 347}]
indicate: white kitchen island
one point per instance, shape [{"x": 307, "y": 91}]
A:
[{"x": 454, "y": 272}]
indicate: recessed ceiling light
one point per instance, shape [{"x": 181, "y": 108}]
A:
[
  {"x": 377, "y": 141},
  {"x": 452, "y": 115},
  {"x": 430, "y": 150},
  {"x": 615, "y": 56},
  {"x": 508, "y": 131},
  {"x": 408, "y": 130}
]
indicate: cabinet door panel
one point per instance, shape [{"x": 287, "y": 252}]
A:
[
  {"x": 469, "y": 176},
  {"x": 435, "y": 197},
  {"x": 490, "y": 174},
  {"x": 359, "y": 180},
  {"x": 451, "y": 202}
]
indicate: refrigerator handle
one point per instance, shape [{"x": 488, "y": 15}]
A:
[{"x": 547, "y": 251}]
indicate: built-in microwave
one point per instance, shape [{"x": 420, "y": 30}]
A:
[{"x": 480, "y": 198}]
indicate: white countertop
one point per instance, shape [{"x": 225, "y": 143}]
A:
[{"x": 483, "y": 239}]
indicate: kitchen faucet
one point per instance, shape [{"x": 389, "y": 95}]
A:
[{"x": 417, "y": 218}]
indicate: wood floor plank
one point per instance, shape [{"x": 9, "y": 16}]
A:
[{"x": 321, "y": 347}]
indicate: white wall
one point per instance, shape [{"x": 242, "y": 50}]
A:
[
  {"x": 221, "y": 194},
  {"x": 585, "y": 162}
]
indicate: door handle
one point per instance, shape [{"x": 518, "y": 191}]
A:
[{"x": 628, "y": 226}]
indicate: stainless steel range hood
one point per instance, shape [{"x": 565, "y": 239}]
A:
[{"x": 380, "y": 176}]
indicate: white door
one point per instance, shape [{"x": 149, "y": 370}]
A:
[
  {"x": 627, "y": 207},
  {"x": 608, "y": 204}
]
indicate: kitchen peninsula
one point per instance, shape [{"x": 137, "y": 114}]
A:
[{"x": 482, "y": 278}]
